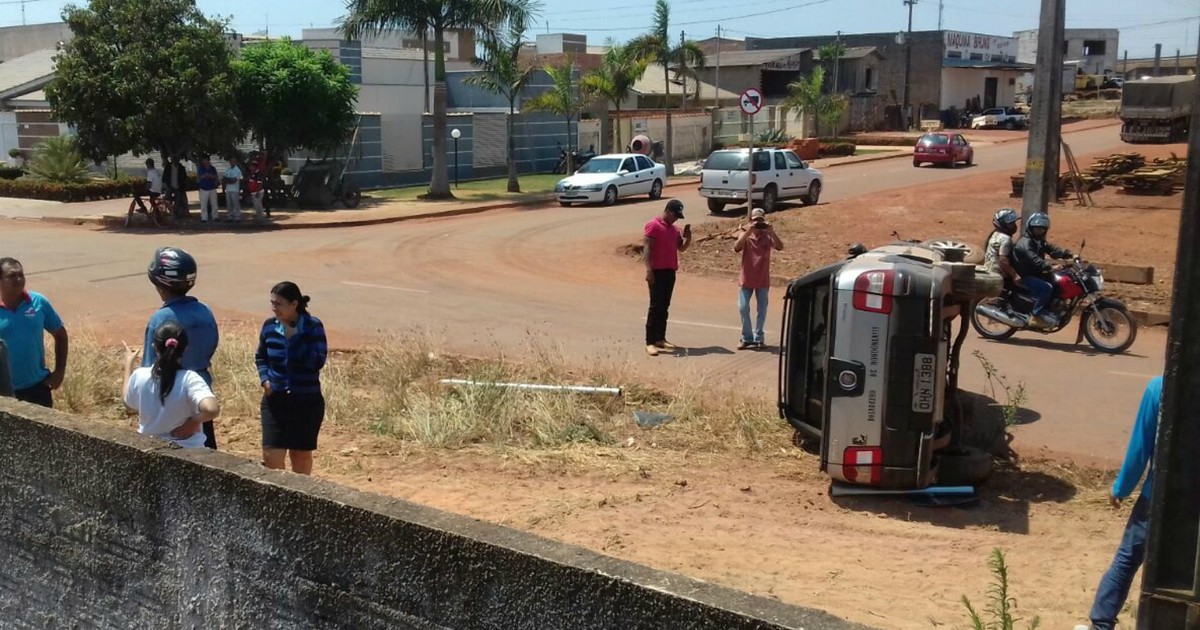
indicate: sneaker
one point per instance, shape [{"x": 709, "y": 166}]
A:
[
  {"x": 652, "y": 350},
  {"x": 666, "y": 345},
  {"x": 745, "y": 345},
  {"x": 758, "y": 345}
]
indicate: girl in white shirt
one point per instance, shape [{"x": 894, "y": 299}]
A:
[{"x": 172, "y": 403}]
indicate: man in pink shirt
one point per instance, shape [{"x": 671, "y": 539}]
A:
[
  {"x": 660, "y": 251},
  {"x": 755, "y": 242}
]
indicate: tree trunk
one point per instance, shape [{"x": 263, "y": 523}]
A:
[
  {"x": 668, "y": 162},
  {"x": 620, "y": 148},
  {"x": 425, "y": 67},
  {"x": 439, "y": 185},
  {"x": 570, "y": 153},
  {"x": 514, "y": 186}
]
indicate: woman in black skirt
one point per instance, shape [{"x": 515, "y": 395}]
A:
[{"x": 291, "y": 353}]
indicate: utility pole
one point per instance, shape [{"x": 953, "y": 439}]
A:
[
  {"x": 1125, "y": 66},
  {"x": 1170, "y": 589},
  {"x": 908, "y": 65},
  {"x": 941, "y": 9},
  {"x": 1157, "y": 59},
  {"x": 682, "y": 71},
  {"x": 1045, "y": 134},
  {"x": 22, "y": 12},
  {"x": 837, "y": 64},
  {"x": 1176, "y": 62},
  {"x": 717, "y": 72}
]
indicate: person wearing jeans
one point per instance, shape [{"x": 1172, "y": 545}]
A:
[
  {"x": 661, "y": 245},
  {"x": 233, "y": 190},
  {"x": 206, "y": 178},
  {"x": 1115, "y": 585},
  {"x": 755, "y": 242}
]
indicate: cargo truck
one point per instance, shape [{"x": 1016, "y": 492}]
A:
[{"x": 1157, "y": 110}]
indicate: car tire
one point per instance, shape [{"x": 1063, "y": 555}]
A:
[
  {"x": 963, "y": 466},
  {"x": 770, "y": 196},
  {"x": 916, "y": 164},
  {"x": 1009, "y": 125},
  {"x": 974, "y": 253},
  {"x": 715, "y": 206},
  {"x": 610, "y": 195},
  {"x": 656, "y": 189},
  {"x": 953, "y": 162},
  {"x": 971, "y": 159},
  {"x": 565, "y": 204},
  {"x": 814, "y": 193}
]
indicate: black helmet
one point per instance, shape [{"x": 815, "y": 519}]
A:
[
  {"x": 1005, "y": 220},
  {"x": 173, "y": 269},
  {"x": 1038, "y": 220}
]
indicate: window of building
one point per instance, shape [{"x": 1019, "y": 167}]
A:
[
  {"x": 976, "y": 56},
  {"x": 1093, "y": 48},
  {"x": 996, "y": 58},
  {"x": 869, "y": 80},
  {"x": 954, "y": 54}
]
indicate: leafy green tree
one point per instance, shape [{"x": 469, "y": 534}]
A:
[
  {"x": 563, "y": 99},
  {"x": 486, "y": 17},
  {"x": 613, "y": 81},
  {"x": 141, "y": 76},
  {"x": 291, "y": 97},
  {"x": 659, "y": 47},
  {"x": 806, "y": 96},
  {"x": 501, "y": 73},
  {"x": 58, "y": 159},
  {"x": 831, "y": 54}
]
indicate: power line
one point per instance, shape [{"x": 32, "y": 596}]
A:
[{"x": 721, "y": 19}]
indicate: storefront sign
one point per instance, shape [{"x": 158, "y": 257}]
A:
[
  {"x": 964, "y": 45},
  {"x": 787, "y": 63}
]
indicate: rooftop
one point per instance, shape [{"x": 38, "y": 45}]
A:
[{"x": 27, "y": 73}]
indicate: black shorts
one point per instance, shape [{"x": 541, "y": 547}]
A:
[{"x": 292, "y": 421}]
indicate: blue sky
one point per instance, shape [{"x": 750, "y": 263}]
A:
[{"x": 1174, "y": 23}]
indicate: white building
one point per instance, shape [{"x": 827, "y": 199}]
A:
[
  {"x": 1092, "y": 51},
  {"x": 979, "y": 67}
]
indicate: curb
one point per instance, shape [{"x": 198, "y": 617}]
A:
[
  {"x": 1147, "y": 318},
  {"x": 111, "y": 221}
]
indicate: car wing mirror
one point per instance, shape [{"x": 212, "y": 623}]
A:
[{"x": 622, "y": 172}]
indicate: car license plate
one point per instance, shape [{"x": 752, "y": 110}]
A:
[
  {"x": 726, "y": 193},
  {"x": 924, "y": 372}
]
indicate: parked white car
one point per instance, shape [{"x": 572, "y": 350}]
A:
[
  {"x": 607, "y": 178},
  {"x": 779, "y": 174}
]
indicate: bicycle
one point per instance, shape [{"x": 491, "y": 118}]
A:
[{"x": 160, "y": 210}]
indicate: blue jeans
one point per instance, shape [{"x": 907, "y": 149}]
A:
[
  {"x": 755, "y": 335},
  {"x": 1114, "y": 586},
  {"x": 1041, "y": 292}
]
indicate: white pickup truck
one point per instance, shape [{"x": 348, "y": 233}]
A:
[{"x": 996, "y": 117}]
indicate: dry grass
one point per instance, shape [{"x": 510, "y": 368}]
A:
[{"x": 388, "y": 394}]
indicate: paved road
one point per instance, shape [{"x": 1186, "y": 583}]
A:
[{"x": 549, "y": 277}]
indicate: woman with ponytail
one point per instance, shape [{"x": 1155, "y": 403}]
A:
[
  {"x": 172, "y": 403},
  {"x": 291, "y": 353}
]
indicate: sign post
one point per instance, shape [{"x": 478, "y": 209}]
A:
[{"x": 751, "y": 103}]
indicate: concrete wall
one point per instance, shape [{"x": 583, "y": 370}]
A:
[
  {"x": 108, "y": 529},
  {"x": 16, "y": 41},
  {"x": 960, "y": 84}
]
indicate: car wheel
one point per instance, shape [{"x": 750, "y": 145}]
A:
[
  {"x": 610, "y": 195},
  {"x": 971, "y": 158},
  {"x": 916, "y": 164},
  {"x": 656, "y": 189},
  {"x": 769, "y": 197},
  {"x": 963, "y": 466},
  {"x": 814, "y": 194},
  {"x": 974, "y": 254},
  {"x": 1009, "y": 125},
  {"x": 715, "y": 205},
  {"x": 953, "y": 162},
  {"x": 565, "y": 204}
]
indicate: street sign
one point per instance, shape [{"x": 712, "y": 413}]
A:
[{"x": 751, "y": 101}]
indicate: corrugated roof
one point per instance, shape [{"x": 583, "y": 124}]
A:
[
  {"x": 741, "y": 58},
  {"x": 32, "y": 71},
  {"x": 654, "y": 83},
  {"x": 858, "y": 52}
]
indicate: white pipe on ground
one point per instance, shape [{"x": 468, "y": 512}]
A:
[{"x": 578, "y": 389}]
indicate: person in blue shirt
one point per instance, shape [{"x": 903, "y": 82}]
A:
[
  {"x": 1115, "y": 585},
  {"x": 173, "y": 274},
  {"x": 291, "y": 352},
  {"x": 25, "y": 318}
]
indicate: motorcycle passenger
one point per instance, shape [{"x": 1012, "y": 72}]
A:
[
  {"x": 998, "y": 255},
  {"x": 1029, "y": 261}
]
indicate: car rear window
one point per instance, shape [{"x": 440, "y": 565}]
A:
[
  {"x": 931, "y": 139},
  {"x": 726, "y": 161}
]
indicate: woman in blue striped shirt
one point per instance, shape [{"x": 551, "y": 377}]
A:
[{"x": 291, "y": 353}]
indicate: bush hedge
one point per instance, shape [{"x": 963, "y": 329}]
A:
[
  {"x": 837, "y": 149},
  {"x": 884, "y": 141},
  {"x": 94, "y": 190},
  {"x": 10, "y": 172}
]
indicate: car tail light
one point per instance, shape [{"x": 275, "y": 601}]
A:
[
  {"x": 862, "y": 464},
  {"x": 873, "y": 291}
]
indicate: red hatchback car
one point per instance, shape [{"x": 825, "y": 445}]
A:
[{"x": 943, "y": 148}]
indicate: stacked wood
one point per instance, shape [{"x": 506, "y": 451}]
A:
[
  {"x": 1176, "y": 163},
  {"x": 1115, "y": 164},
  {"x": 1156, "y": 179}
]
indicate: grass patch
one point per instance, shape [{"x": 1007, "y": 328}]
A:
[
  {"x": 480, "y": 190},
  {"x": 389, "y": 393},
  {"x": 874, "y": 151}
]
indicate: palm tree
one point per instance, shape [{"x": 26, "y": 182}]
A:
[
  {"x": 368, "y": 17},
  {"x": 805, "y": 97},
  {"x": 501, "y": 73},
  {"x": 832, "y": 52},
  {"x": 561, "y": 99},
  {"x": 619, "y": 70},
  {"x": 657, "y": 46}
]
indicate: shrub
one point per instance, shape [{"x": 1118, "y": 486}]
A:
[
  {"x": 14, "y": 153},
  {"x": 94, "y": 190},
  {"x": 10, "y": 172},
  {"x": 837, "y": 149},
  {"x": 885, "y": 141},
  {"x": 773, "y": 137},
  {"x": 59, "y": 160}
]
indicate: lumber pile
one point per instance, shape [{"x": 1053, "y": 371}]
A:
[
  {"x": 1160, "y": 177},
  {"x": 1064, "y": 183},
  {"x": 1115, "y": 164}
]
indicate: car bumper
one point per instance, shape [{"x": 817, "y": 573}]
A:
[
  {"x": 932, "y": 158},
  {"x": 727, "y": 194},
  {"x": 580, "y": 196}
]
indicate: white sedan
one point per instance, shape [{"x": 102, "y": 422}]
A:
[{"x": 607, "y": 178}]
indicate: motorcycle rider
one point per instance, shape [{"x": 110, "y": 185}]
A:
[
  {"x": 998, "y": 255},
  {"x": 1029, "y": 261}
]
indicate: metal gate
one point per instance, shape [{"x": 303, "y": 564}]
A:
[{"x": 491, "y": 140}]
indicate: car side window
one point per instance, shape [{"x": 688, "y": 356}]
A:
[
  {"x": 627, "y": 165},
  {"x": 762, "y": 160},
  {"x": 644, "y": 163},
  {"x": 792, "y": 160},
  {"x": 780, "y": 162}
]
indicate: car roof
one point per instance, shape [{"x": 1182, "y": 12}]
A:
[{"x": 620, "y": 155}]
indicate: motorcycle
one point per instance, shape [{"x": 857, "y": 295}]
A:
[
  {"x": 1105, "y": 322},
  {"x": 578, "y": 158}
]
